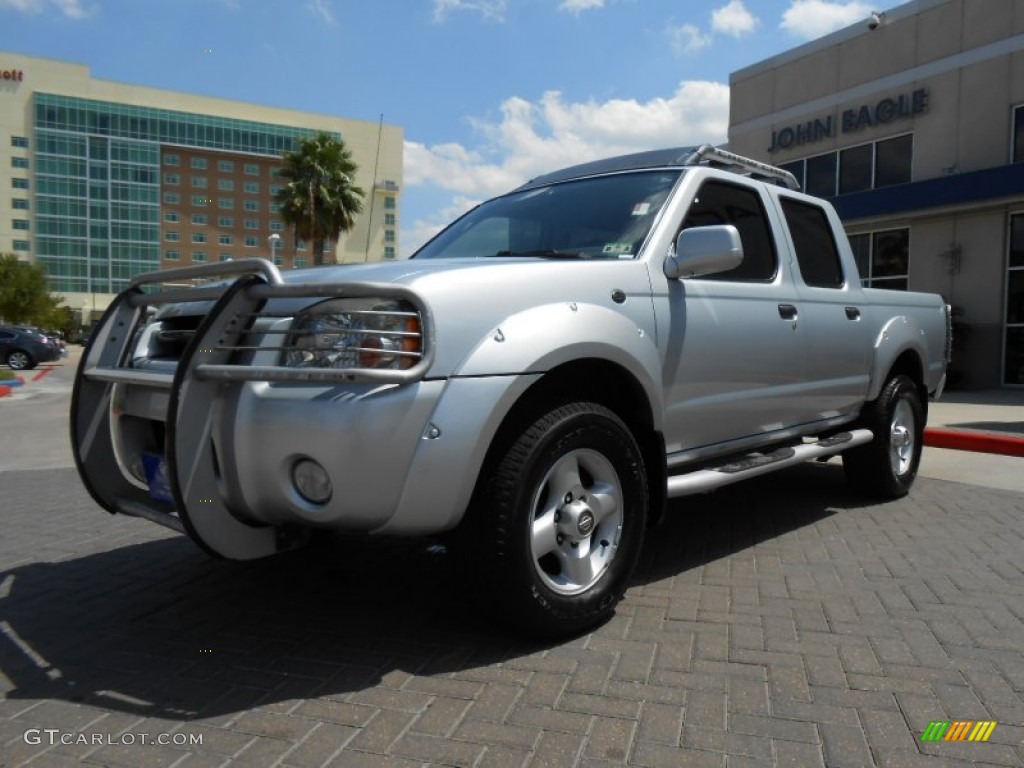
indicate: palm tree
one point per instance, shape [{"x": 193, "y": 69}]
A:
[{"x": 319, "y": 200}]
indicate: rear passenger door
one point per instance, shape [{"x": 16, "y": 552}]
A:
[
  {"x": 837, "y": 335},
  {"x": 734, "y": 355}
]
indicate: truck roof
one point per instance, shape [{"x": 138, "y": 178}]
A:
[{"x": 676, "y": 157}]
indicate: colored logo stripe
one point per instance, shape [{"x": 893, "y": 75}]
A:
[
  {"x": 958, "y": 730},
  {"x": 982, "y": 730}
]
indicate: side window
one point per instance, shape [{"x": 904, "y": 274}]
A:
[
  {"x": 816, "y": 251},
  {"x": 719, "y": 202}
]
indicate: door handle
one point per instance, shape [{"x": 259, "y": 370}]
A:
[
  {"x": 787, "y": 311},
  {"x": 852, "y": 313}
]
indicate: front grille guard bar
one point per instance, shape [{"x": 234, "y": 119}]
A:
[{"x": 273, "y": 287}]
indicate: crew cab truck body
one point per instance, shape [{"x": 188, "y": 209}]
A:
[{"x": 536, "y": 381}]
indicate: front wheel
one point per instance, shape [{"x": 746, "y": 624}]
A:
[
  {"x": 886, "y": 467},
  {"x": 19, "y": 361},
  {"x": 557, "y": 523}
]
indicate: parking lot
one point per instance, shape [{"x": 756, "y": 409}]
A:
[{"x": 784, "y": 621}]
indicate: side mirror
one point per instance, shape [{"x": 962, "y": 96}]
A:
[{"x": 705, "y": 251}]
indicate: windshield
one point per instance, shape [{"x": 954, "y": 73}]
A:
[{"x": 603, "y": 217}]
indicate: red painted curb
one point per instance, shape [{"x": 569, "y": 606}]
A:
[
  {"x": 4, "y": 390},
  {"x": 42, "y": 374},
  {"x": 981, "y": 442}
]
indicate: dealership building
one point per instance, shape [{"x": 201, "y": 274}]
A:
[
  {"x": 912, "y": 123},
  {"x": 103, "y": 181}
]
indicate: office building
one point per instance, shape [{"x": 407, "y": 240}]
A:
[{"x": 102, "y": 180}]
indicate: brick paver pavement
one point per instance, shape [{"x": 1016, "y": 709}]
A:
[{"x": 781, "y": 622}]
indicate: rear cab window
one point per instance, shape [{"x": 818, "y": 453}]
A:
[{"x": 816, "y": 252}]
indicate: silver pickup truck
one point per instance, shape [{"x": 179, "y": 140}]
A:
[{"x": 534, "y": 383}]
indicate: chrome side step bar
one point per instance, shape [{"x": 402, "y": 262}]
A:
[
  {"x": 135, "y": 509},
  {"x": 745, "y": 467}
]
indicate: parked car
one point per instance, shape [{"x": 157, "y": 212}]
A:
[
  {"x": 58, "y": 339},
  {"x": 23, "y": 347},
  {"x": 534, "y": 383}
]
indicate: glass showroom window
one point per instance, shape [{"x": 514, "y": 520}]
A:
[
  {"x": 821, "y": 175},
  {"x": 883, "y": 258},
  {"x": 855, "y": 165},
  {"x": 1013, "y": 362},
  {"x": 892, "y": 161}
]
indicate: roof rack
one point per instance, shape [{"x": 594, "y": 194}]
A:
[{"x": 739, "y": 164}]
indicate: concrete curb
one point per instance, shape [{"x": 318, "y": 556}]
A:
[{"x": 979, "y": 442}]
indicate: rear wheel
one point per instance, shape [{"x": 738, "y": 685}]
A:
[
  {"x": 557, "y": 522},
  {"x": 887, "y": 466},
  {"x": 19, "y": 360}
]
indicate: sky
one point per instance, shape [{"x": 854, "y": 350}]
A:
[{"x": 489, "y": 93}]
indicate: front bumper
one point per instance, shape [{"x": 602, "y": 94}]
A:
[{"x": 229, "y": 423}]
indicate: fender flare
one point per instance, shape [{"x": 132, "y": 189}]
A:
[
  {"x": 900, "y": 334},
  {"x": 542, "y": 338}
]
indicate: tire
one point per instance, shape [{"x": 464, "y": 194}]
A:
[
  {"x": 886, "y": 467},
  {"x": 557, "y": 523},
  {"x": 18, "y": 360}
]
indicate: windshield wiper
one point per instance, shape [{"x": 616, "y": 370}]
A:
[{"x": 546, "y": 254}]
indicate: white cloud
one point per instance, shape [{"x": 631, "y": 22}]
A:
[
  {"x": 73, "y": 9},
  {"x": 688, "y": 39},
  {"x": 322, "y": 9},
  {"x": 733, "y": 19},
  {"x": 25, "y": 6},
  {"x": 576, "y": 6},
  {"x": 489, "y": 9},
  {"x": 536, "y": 137},
  {"x": 809, "y": 19}
]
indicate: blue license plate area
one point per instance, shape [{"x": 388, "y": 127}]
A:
[{"x": 155, "y": 466}]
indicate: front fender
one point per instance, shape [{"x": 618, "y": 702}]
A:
[{"x": 542, "y": 338}]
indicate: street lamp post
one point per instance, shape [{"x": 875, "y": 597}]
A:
[{"x": 274, "y": 240}]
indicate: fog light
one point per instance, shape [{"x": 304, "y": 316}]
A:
[{"x": 311, "y": 481}]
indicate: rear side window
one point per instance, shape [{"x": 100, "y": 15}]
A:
[
  {"x": 816, "y": 251},
  {"x": 719, "y": 202}
]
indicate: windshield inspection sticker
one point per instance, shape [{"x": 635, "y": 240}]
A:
[
  {"x": 618, "y": 248},
  {"x": 641, "y": 209}
]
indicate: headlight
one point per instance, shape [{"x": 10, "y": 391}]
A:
[{"x": 356, "y": 333}]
